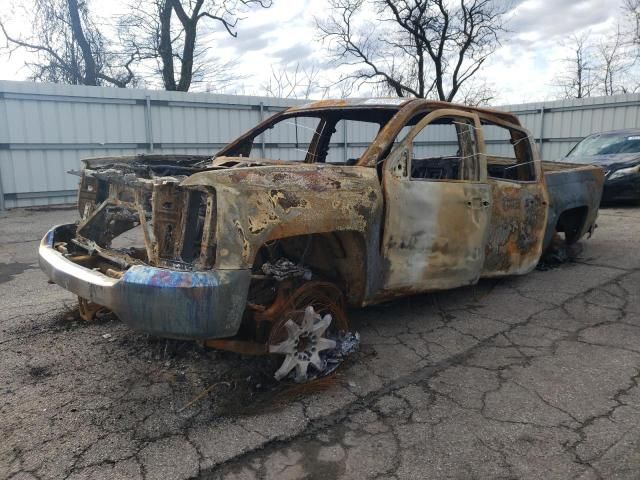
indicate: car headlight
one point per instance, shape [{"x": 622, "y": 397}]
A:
[{"x": 624, "y": 171}]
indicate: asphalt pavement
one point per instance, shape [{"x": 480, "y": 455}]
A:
[{"x": 523, "y": 377}]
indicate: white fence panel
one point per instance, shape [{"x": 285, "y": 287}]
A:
[{"x": 46, "y": 129}]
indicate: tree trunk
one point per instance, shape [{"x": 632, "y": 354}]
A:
[
  {"x": 164, "y": 49},
  {"x": 89, "y": 77},
  {"x": 186, "y": 70}
]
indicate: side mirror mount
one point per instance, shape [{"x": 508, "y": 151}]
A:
[{"x": 400, "y": 169}]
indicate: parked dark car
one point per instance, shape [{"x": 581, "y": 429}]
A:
[{"x": 618, "y": 153}]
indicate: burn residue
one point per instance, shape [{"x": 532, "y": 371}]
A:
[{"x": 287, "y": 200}]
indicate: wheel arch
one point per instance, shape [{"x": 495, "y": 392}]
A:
[
  {"x": 571, "y": 222},
  {"x": 337, "y": 256}
]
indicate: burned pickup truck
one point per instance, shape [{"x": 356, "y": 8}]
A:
[{"x": 261, "y": 255}]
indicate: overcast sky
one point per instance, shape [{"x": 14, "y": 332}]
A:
[{"x": 522, "y": 70}]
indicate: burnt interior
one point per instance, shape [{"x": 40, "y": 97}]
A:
[
  {"x": 84, "y": 253},
  {"x": 133, "y": 211},
  {"x": 152, "y": 166},
  {"x": 108, "y": 223},
  {"x": 319, "y": 147},
  {"x": 444, "y": 168},
  {"x": 196, "y": 212}
]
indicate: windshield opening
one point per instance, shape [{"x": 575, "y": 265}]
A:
[
  {"x": 338, "y": 137},
  {"x": 289, "y": 139}
]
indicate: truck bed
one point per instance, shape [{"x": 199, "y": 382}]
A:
[{"x": 574, "y": 196}]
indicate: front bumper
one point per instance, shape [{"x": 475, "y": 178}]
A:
[
  {"x": 168, "y": 303},
  {"x": 622, "y": 189}
]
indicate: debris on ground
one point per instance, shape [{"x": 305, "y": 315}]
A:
[
  {"x": 203, "y": 394},
  {"x": 347, "y": 343},
  {"x": 558, "y": 253},
  {"x": 312, "y": 344}
]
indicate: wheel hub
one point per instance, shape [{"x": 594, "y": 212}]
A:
[{"x": 303, "y": 345}]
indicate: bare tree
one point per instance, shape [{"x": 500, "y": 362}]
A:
[
  {"x": 165, "y": 32},
  {"x": 576, "y": 80},
  {"x": 614, "y": 63},
  {"x": 604, "y": 66},
  {"x": 421, "y": 48},
  {"x": 68, "y": 47},
  {"x": 632, "y": 10},
  {"x": 477, "y": 93},
  {"x": 298, "y": 82}
]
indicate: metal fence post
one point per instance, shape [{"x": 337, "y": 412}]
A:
[
  {"x": 1, "y": 190},
  {"x": 344, "y": 138},
  {"x": 148, "y": 123},
  {"x": 262, "y": 145},
  {"x": 541, "y": 135},
  {"x": 7, "y": 117}
]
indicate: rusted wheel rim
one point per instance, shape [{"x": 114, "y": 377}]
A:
[{"x": 300, "y": 334}]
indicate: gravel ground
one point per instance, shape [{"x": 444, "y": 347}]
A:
[{"x": 524, "y": 377}]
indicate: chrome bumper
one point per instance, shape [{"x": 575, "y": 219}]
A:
[{"x": 168, "y": 303}]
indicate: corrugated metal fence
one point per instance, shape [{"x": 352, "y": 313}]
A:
[
  {"x": 46, "y": 129},
  {"x": 558, "y": 126}
]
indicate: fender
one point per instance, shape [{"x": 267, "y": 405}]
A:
[{"x": 258, "y": 204}]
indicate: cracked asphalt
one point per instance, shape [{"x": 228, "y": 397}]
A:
[{"x": 524, "y": 377}]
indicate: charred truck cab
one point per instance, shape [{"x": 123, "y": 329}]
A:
[{"x": 261, "y": 255}]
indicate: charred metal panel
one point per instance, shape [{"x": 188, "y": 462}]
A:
[
  {"x": 144, "y": 190},
  {"x": 257, "y": 205},
  {"x": 156, "y": 300},
  {"x": 569, "y": 189},
  {"x": 434, "y": 232},
  {"x": 168, "y": 207},
  {"x": 192, "y": 226},
  {"x": 517, "y": 228}
]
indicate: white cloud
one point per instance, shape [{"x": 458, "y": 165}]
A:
[{"x": 521, "y": 70}]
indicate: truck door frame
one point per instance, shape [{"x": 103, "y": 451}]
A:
[
  {"x": 434, "y": 230},
  {"x": 519, "y": 212}
]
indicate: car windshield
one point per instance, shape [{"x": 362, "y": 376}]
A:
[{"x": 607, "y": 144}]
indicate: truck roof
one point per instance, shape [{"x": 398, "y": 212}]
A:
[{"x": 397, "y": 103}]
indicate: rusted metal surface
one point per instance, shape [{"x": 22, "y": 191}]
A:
[
  {"x": 434, "y": 230},
  {"x": 281, "y": 202},
  {"x": 161, "y": 301},
  {"x": 311, "y": 314},
  {"x": 88, "y": 310},
  {"x": 324, "y": 297},
  {"x": 243, "y": 347},
  {"x": 369, "y": 231},
  {"x": 516, "y": 230}
]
